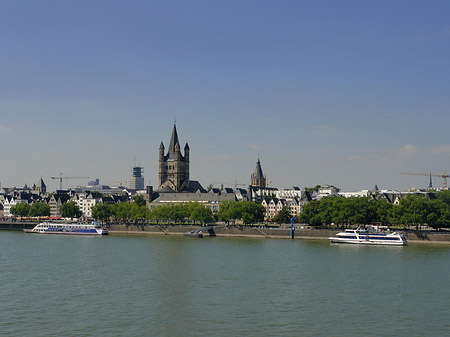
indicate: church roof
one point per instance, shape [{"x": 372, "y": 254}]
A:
[
  {"x": 173, "y": 141},
  {"x": 258, "y": 171},
  {"x": 41, "y": 184}
]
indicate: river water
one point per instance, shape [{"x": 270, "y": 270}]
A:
[{"x": 177, "y": 286}]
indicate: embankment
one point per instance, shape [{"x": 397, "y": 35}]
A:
[
  {"x": 283, "y": 233},
  {"x": 442, "y": 237}
]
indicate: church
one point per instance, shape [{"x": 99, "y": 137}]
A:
[
  {"x": 173, "y": 173},
  {"x": 174, "y": 183}
]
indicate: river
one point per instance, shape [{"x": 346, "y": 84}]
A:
[{"x": 130, "y": 285}]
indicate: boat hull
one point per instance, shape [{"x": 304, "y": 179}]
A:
[
  {"x": 65, "y": 233},
  {"x": 363, "y": 236},
  {"x": 367, "y": 242},
  {"x": 68, "y": 229}
]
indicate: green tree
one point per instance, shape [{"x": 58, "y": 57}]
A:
[
  {"x": 413, "y": 210},
  {"x": 101, "y": 212},
  {"x": 247, "y": 211},
  {"x": 252, "y": 212},
  {"x": 312, "y": 189},
  {"x": 282, "y": 216},
  {"x": 39, "y": 209},
  {"x": 70, "y": 210},
  {"x": 139, "y": 200},
  {"x": 383, "y": 211},
  {"x": 199, "y": 213},
  {"x": 444, "y": 196},
  {"x": 310, "y": 213},
  {"x": 139, "y": 212},
  {"x": 20, "y": 209}
]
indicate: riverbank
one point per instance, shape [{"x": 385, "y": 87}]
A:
[
  {"x": 266, "y": 232},
  {"x": 413, "y": 237}
]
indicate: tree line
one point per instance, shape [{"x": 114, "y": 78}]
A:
[
  {"x": 413, "y": 210},
  {"x": 247, "y": 211},
  {"x": 41, "y": 209},
  {"x": 229, "y": 211},
  {"x": 137, "y": 211}
]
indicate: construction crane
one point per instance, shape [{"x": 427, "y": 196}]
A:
[
  {"x": 430, "y": 185},
  {"x": 61, "y": 177}
]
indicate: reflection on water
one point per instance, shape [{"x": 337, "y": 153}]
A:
[{"x": 177, "y": 286}]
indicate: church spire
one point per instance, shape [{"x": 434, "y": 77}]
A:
[
  {"x": 173, "y": 140},
  {"x": 257, "y": 178}
]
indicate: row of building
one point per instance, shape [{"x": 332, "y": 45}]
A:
[{"x": 175, "y": 186}]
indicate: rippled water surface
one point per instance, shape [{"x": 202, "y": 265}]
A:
[{"x": 177, "y": 286}]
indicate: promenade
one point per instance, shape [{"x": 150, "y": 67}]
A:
[{"x": 439, "y": 237}]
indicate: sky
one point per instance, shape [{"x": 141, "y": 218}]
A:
[{"x": 347, "y": 93}]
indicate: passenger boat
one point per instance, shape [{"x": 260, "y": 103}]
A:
[
  {"x": 68, "y": 228},
  {"x": 369, "y": 237}
]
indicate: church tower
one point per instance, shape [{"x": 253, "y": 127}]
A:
[
  {"x": 173, "y": 167},
  {"x": 258, "y": 179}
]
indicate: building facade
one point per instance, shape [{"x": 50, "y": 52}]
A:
[
  {"x": 137, "y": 180},
  {"x": 258, "y": 179},
  {"x": 174, "y": 166}
]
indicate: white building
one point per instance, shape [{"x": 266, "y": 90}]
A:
[{"x": 85, "y": 202}]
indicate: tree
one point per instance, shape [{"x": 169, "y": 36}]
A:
[
  {"x": 252, "y": 212},
  {"x": 70, "y": 210},
  {"x": 101, "y": 212},
  {"x": 282, "y": 216},
  {"x": 312, "y": 189},
  {"x": 199, "y": 213},
  {"x": 139, "y": 200},
  {"x": 20, "y": 209},
  {"x": 39, "y": 209},
  {"x": 247, "y": 211},
  {"x": 444, "y": 196}
]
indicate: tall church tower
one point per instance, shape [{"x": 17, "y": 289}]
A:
[
  {"x": 258, "y": 179},
  {"x": 173, "y": 167}
]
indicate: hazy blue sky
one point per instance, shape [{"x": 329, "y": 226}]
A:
[{"x": 349, "y": 93}]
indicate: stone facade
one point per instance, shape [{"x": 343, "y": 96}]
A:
[
  {"x": 258, "y": 179},
  {"x": 174, "y": 166}
]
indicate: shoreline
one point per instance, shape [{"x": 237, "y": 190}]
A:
[{"x": 413, "y": 237}]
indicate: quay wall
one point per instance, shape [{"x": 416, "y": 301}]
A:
[{"x": 244, "y": 231}]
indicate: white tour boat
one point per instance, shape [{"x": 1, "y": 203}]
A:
[
  {"x": 369, "y": 237},
  {"x": 68, "y": 228}
]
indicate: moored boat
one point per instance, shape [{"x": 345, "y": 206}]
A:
[
  {"x": 68, "y": 228},
  {"x": 369, "y": 237}
]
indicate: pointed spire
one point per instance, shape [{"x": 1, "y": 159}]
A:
[
  {"x": 258, "y": 170},
  {"x": 41, "y": 184},
  {"x": 173, "y": 140}
]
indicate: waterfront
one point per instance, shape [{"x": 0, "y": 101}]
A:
[{"x": 177, "y": 286}]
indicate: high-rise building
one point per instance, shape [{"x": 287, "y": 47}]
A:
[{"x": 137, "y": 179}]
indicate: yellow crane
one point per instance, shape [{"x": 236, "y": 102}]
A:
[
  {"x": 61, "y": 177},
  {"x": 443, "y": 176}
]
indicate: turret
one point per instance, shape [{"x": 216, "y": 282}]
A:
[
  {"x": 186, "y": 151},
  {"x": 161, "y": 151}
]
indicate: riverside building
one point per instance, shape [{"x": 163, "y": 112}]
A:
[{"x": 174, "y": 183}]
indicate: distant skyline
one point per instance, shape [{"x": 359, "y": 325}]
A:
[{"x": 347, "y": 93}]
